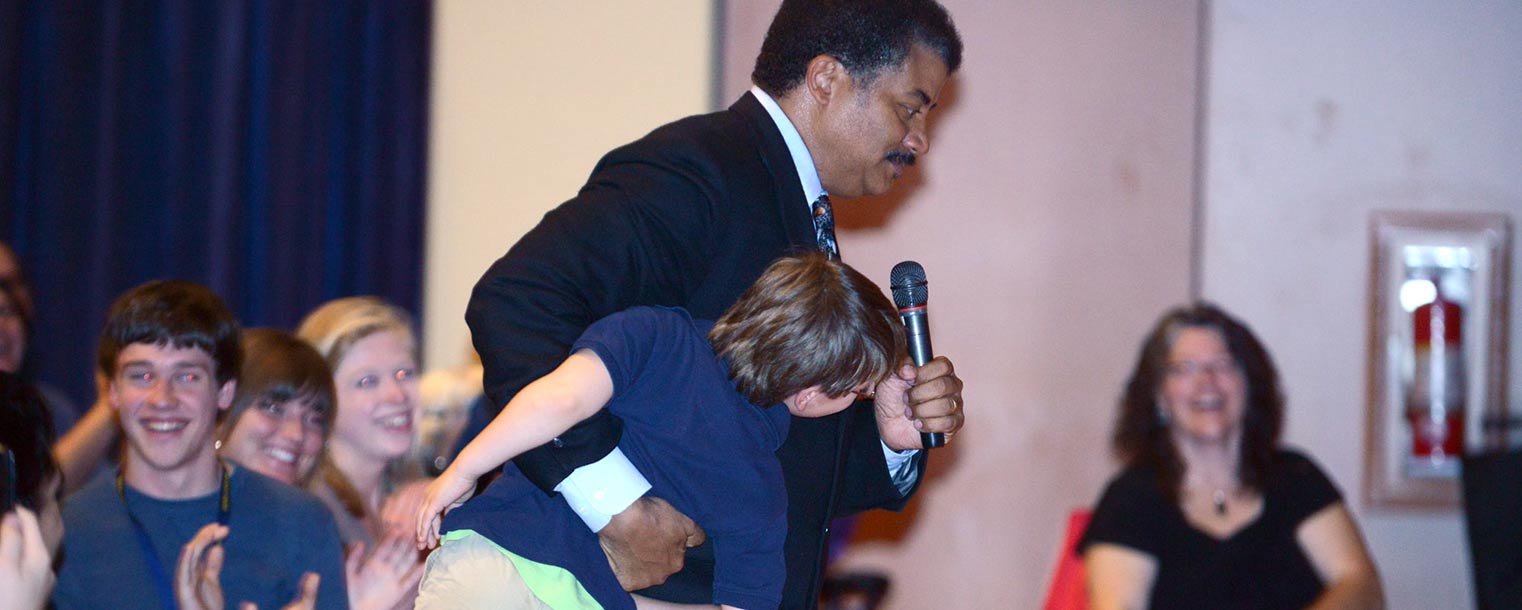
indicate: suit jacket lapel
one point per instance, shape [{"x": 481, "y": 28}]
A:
[{"x": 791, "y": 204}]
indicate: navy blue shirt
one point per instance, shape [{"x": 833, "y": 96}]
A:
[
  {"x": 276, "y": 533},
  {"x": 703, "y": 448}
]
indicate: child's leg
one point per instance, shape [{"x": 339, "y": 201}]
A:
[
  {"x": 644, "y": 603},
  {"x": 471, "y": 572}
]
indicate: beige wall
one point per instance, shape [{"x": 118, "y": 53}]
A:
[
  {"x": 1052, "y": 216},
  {"x": 1320, "y": 113},
  {"x": 526, "y": 97}
]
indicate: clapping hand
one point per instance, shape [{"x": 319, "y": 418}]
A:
[
  {"x": 26, "y": 573},
  {"x": 384, "y": 578},
  {"x": 198, "y": 575},
  {"x": 398, "y": 513}
]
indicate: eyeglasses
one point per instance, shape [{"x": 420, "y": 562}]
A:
[{"x": 1215, "y": 368}]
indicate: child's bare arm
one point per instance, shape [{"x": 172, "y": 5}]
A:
[{"x": 574, "y": 391}]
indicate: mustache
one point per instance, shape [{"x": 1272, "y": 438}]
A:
[{"x": 902, "y": 157}]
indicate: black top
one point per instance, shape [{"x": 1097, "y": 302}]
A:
[{"x": 1260, "y": 567}]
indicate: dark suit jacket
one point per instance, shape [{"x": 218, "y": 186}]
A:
[
  {"x": 1492, "y": 486},
  {"x": 689, "y": 216}
]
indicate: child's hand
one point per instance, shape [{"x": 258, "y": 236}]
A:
[
  {"x": 384, "y": 578},
  {"x": 306, "y": 594},
  {"x": 26, "y": 573},
  {"x": 444, "y": 493}
]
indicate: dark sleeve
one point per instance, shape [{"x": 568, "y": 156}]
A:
[
  {"x": 1131, "y": 513},
  {"x": 1305, "y": 488},
  {"x": 868, "y": 484},
  {"x": 1492, "y": 484},
  {"x": 634, "y": 235}
]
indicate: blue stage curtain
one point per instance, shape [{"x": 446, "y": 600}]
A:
[{"x": 273, "y": 150}]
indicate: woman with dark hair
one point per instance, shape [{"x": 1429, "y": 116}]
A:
[
  {"x": 26, "y": 432},
  {"x": 283, "y": 410},
  {"x": 1210, "y": 512},
  {"x": 32, "y": 528},
  {"x": 15, "y": 351},
  {"x": 86, "y": 437},
  {"x": 279, "y": 422}
]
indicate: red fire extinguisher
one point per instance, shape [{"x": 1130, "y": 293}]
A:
[{"x": 1435, "y": 406}]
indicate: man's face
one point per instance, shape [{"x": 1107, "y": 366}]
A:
[
  {"x": 12, "y": 335},
  {"x": 167, "y": 399},
  {"x": 10, "y": 275},
  {"x": 870, "y": 134}
]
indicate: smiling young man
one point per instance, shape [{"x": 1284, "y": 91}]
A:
[
  {"x": 170, "y": 351},
  {"x": 690, "y": 215}
]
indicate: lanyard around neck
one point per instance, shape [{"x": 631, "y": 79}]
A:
[{"x": 160, "y": 575}]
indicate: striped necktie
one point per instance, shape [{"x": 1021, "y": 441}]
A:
[{"x": 824, "y": 228}]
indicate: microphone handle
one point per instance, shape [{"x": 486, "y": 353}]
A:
[{"x": 917, "y": 335}]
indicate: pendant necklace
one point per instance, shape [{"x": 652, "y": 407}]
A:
[{"x": 1220, "y": 503}]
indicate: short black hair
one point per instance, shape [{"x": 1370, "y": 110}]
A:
[
  {"x": 867, "y": 36},
  {"x": 26, "y": 429},
  {"x": 173, "y": 313}
]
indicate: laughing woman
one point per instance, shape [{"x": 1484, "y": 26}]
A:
[
  {"x": 283, "y": 409},
  {"x": 1210, "y": 512},
  {"x": 372, "y": 350},
  {"x": 278, "y": 424}
]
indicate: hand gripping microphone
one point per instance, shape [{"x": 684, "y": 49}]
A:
[{"x": 910, "y": 294}]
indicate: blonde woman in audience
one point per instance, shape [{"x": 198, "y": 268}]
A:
[{"x": 372, "y": 349}]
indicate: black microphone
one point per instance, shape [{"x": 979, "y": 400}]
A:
[{"x": 911, "y": 294}]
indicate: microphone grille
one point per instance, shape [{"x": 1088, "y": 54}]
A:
[{"x": 907, "y": 280}]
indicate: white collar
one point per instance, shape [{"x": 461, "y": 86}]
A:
[{"x": 803, "y": 162}]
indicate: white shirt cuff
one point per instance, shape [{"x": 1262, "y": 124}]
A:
[
  {"x": 604, "y": 488},
  {"x": 901, "y": 468}
]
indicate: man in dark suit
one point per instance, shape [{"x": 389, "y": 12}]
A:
[{"x": 689, "y": 216}]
